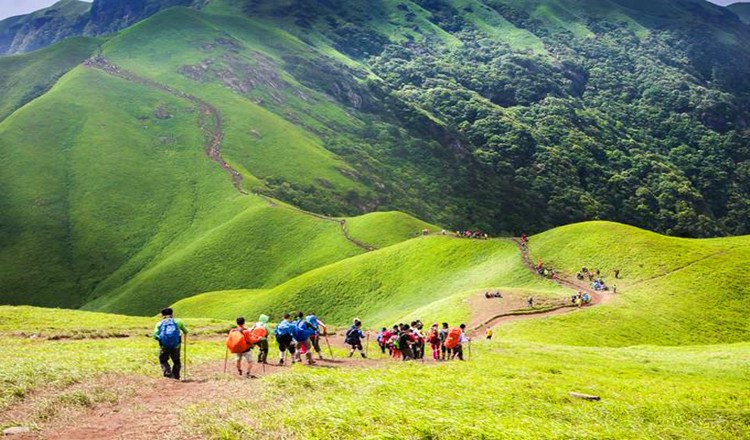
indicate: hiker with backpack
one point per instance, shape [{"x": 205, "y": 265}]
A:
[
  {"x": 303, "y": 330},
  {"x": 168, "y": 332},
  {"x": 433, "y": 337},
  {"x": 262, "y": 330},
  {"x": 454, "y": 342},
  {"x": 418, "y": 347},
  {"x": 382, "y": 339},
  {"x": 443, "y": 335},
  {"x": 406, "y": 343},
  {"x": 315, "y": 338},
  {"x": 239, "y": 343},
  {"x": 354, "y": 338},
  {"x": 284, "y": 333}
]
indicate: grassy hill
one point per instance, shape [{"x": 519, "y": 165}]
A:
[
  {"x": 41, "y": 28},
  {"x": 25, "y": 77},
  {"x": 428, "y": 278},
  {"x": 672, "y": 292},
  {"x": 742, "y": 10}
]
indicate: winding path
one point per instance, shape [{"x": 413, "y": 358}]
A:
[
  {"x": 210, "y": 125},
  {"x": 597, "y": 298}
]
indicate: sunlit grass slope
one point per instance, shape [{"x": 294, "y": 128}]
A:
[
  {"x": 28, "y": 76},
  {"x": 27, "y": 364},
  {"x": 382, "y": 229},
  {"x": 77, "y": 224},
  {"x": 511, "y": 391},
  {"x": 672, "y": 292},
  {"x": 431, "y": 273}
]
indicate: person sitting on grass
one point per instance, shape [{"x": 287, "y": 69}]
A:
[
  {"x": 167, "y": 332},
  {"x": 247, "y": 354},
  {"x": 354, "y": 338}
]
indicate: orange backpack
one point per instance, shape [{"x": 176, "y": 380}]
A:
[
  {"x": 256, "y": 335},
  {"x": 236, "y": 342},
  {"x": 453, "y": 339}
]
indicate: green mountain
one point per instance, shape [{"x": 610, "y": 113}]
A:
[
  {"x": 742, "y": 10},
  {"x": 25, "y": 33},
  {"x": 221, "y": 148}
]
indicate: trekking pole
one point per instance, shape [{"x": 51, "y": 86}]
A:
[
  {"x": 329, "y": 345},
  {"x": 185, "y": 370},
  {"x": 226, "y": 359}
]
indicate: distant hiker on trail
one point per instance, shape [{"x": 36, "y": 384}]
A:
[
  {"x": 454, "y": 342},
  {"x": 488, "y": 333},
  {"x": 614, "y": 289},
  {"x": 406, "y": 341},
  {"x": 302, "y": 332},
  {"x": 320, "y": 329},
  {"x": 524, "y": 238},
  {"x": 284, "y": 333},
  {"x": 530, "y": 302},
  {"x": 382, "y": 339},
  {"x": 167, "y": 332},
  {"x": 443, "y": 334},
  {"x": 433, "y": 337},
  {"x": 586, "y": 299},
  {"x": 261, "y": 328},
  {"x": 419, "y": 342},
  {"x": 617, "y": 273},
  {"x": 354, "y": 338},
  {"x": 238, "y": 342}
]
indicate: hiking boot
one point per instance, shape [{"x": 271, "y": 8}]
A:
[
  {"x": 281, "y": 361},
  {"x": 251, "y": 376},
  {"x": 311, "y": 362},
  {"x": 239, "y": 372},
  {"x": 351, "y": 354},
  {"x": 364, "y": 356}
]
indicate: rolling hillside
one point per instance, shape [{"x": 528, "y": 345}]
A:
[
  {"x": 672, "y": 291},
  {"x": 167, "y": 163},
  {"x": 742, "y": 10}
]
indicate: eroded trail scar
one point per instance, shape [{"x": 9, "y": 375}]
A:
[{"x": 209, "y": 120}]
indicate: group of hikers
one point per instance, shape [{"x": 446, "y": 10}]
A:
[
  {"x": 495, "y": 294},
  {"x": 299, "y": 335},
  {"x": 594, "y": 277},
  {"x": 546, "y": 271},
  {"x": 581, "y": 299},
  {"x": 409, "y": 342},
  {"x": 479, "y": 235}
]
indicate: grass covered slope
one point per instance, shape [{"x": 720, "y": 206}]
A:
[
  {"x": 434, "y": 274},
  {"x": 506, "y": 391},
  {"x": 66, "y": 193},
  {"x": 383, "y": 229},
  {"x": 672, "y": 292},
  {"x": 26, "y": 77}
]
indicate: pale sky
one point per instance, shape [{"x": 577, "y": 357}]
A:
[{"x": 9, "y": 8}]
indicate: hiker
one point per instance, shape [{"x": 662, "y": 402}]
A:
[
  {"x": 167, "y": 332},
  {"x": 579, "y": 276},
  {"x": 530, "y": 302},
  {"x": 488, "y": 333},
  {"x": 284, "y": 333},
  {"x": 406, "y": 342},
  {"x": 433, "y": 337},
  {"x": 418, "y": 347},
  {"x": 586, "y": 299},
  {"x": 443, "y": 335},
  {"x": 238, "y": 342},
  {"x": 315, "y": 338},
  {"x": 302, "y": 332},
  {"x": 393, "y": 342},
  {"x": 617, "y": 273},
  {"x": 382, "y": 339},
  {"x": 354, "y": 338},
  {"x": 453, "y": 342},
  {"x": 524, "y": 238},
  {"x": 614, "y": 289},
  {"x": 261, "y": 328}
]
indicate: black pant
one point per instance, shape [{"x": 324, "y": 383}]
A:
[
  {"x": 315, "y": 339},
  {"x": 164, "y": 355},
  {"x": 459, "y": 352},
  {"x": 263, "y": 351}
]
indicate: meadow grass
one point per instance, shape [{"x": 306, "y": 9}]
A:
[
  {"x": 507, "y": 390},
  {"x": 383, "y": 229}
]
